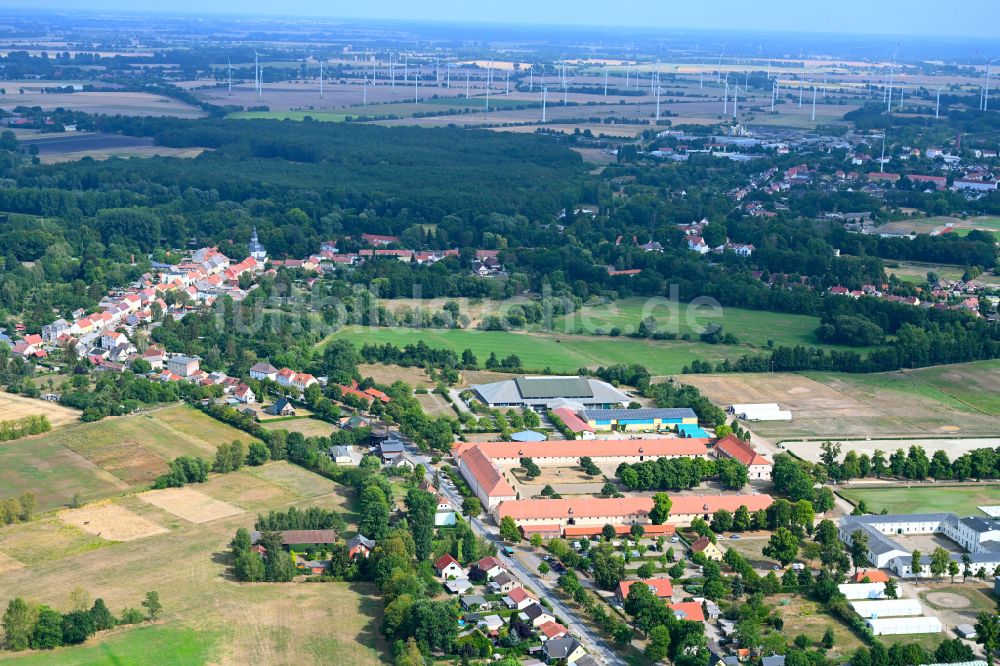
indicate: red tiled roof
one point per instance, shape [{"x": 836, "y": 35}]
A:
[
  {"x": 873, "y": 575},
  {"x": 688, "y": 610},
  {"x": 487, "y": 474},
  {"x": 574, "y": 448},
  {"x": 734, "y": 447},
  {"x": 442, "y": 562},
  {"x": 553, "y": 630},
  {"x": 662, "y": 587},
  {"x": 572, "y": 421},
  {"x": 518, "y": 594}
]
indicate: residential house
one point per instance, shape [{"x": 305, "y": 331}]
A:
[
  {"x": 458, "y": 585},
  {"x": 490, "y": 567},
  {"x": 475, "y": 602},
  {"x": 565, "y": 650},
  {"x": 536, "y": 616},
  {"x": 281, "y": 407},
  {"x": 705, "y": 546},
  {"x": 503, "y": 584},
  {"x": 661, "y": 587},
  {"x": 688, "y": 610},
  {"x": 518, "y": 599},
  {"x": 447, "y": 567},
  {"x": 360, "y": 546},
  {"x": 551, "y": 631},
  {"x": 244, "y": 394},
  {"x": 183, "y": 366},
  {"x": 263, "y": 370}
]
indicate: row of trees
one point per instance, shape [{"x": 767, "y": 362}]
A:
[
  {"x": 24, "y": 426},
  {"x": 982, "y": 463},
  {"x": 40, "y": 627}
]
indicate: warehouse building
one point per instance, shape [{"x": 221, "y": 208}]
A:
[
  {"x": 543, "y": 393},
  {"x": 765, "y": 411}
]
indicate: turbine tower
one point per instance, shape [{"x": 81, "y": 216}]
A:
[
  {"x": 545, "y": 94},
  {"x": 321, "y": 78},
  {"x": 937, "y": 107},
  {"x": 230, "y": 76}
]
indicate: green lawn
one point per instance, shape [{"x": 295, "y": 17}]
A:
[
  {"x": 561, "y": 353},
  {"x": 151, "y": 644},
  {"x": 970, "y": 383},
  {"x": 962, "y": 500},
  {"x": 754, "y": 327}
]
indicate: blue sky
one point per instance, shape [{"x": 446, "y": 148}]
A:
[{"x": 979, "y": 18}]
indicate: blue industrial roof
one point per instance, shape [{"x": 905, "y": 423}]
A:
[{"x": 528, "y": 436}]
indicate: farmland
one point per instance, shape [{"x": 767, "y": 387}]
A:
[
  {"x": 207, "y": 616},
  {"x": 307, "y": 426},
  {"x": 110, "y": 103},
  {"x": 561, "y": 353},
  {"x": 930, "y": 402},
  {"x": 13, "y": 406},
  {"x": 104, "y": 458},
  {"x": 962, "y": 500}
]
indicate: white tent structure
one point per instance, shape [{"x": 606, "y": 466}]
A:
[
  {"x": 765, "y": 411},
  {"x": 885, "y": 626},
  {"x": 887, "y": 608},
  {"x": 854, "y": 591}
]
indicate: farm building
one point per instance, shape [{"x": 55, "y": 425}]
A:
[
  {"x": 765, "y": 411},
  {"x": 887, "y": 608},
  {"x": 484, "y": 477},
  {"x": 542, "y": 393},
  {"x": 731, "y": 446},
  {"x": 604, "y": 451},
  {"x": 580, "y": 428},
  {"x": 888, "y": 626},
  {"x": 623, "y": 420}
]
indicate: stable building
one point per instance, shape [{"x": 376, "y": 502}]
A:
[
  {"x": 597, "y": 512},
  {"x": 731, "y": 446}
]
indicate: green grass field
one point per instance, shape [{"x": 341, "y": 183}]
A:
[
  {"x": 962, "y": 500},
  {"x": 132, "y": 646},
  {"x": 561, "y": 353},
  {"x": 754, "y": 327},
  {"x": 108, "y": 457}
]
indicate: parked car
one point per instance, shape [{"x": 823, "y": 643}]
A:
[{"x": 735, "y": 536}]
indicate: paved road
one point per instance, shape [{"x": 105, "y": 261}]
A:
[{"x": 594, "y": 644}]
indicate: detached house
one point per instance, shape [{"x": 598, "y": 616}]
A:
[
  {"x": 447, "y": 567},
  {"x": 360, "y": 546},
  {"x": 491, "y": 567}
]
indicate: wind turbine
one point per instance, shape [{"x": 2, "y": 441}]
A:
[
  {"x": 416, "y": 87},
  {"x": 467, "y": 89},
  {"x": 230, "y": 72},
  {"x": 321, "y": 78},
  {"x": 736, "y": 95},
  {"x": 605, "y": 82},
  {"x": 392, "y": 72},
  {"x": 814, "y": 103},
  {"x": 892, "y": 66},
  {"x": 725, "y": 98},
  {"x": 774, "y": 94},
  {"x": 506, "y": 82},
  {"x": 258, "y": 74},
  {"x": 881, "y": 168},
  {"x": 985, "y": 103},
  {"x": 531, "y": 78},
  {"x": 658, "y": 91},
  {"x": 364, "y": 89},
  {"x": 545, "y": 94},
  {"x": 937, "y": 107}
]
